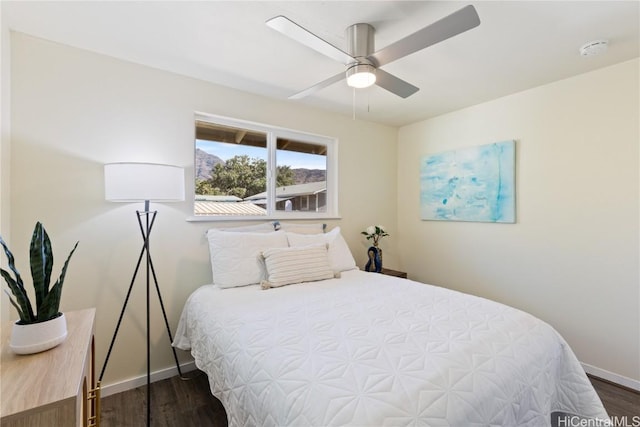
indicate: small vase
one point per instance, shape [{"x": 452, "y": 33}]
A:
[
  {"x": 37, "y": 337},
  {"x": 375, "y": 259}
]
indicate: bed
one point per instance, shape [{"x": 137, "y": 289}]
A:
[{"x": 365, "y": 349}]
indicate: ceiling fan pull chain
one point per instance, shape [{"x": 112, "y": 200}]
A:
[{"x": 353, "y": 104}]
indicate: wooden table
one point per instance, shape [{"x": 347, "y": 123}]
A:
[
  {"x": 55, "y": 387},
  {"x": 395, "y": 273}
]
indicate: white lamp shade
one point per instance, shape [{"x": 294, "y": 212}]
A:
[{"x": 132, "y": 182}]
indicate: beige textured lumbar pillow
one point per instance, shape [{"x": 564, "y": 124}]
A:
[{"x": 286, "y": 266}]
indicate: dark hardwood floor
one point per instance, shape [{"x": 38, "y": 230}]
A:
[
  {"x": 189, "y": 403},
  {"x": 618, "y": 401},
  {"x": 174, "y": 403}
]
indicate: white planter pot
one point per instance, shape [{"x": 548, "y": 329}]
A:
[{"x": 37, "y": 337}]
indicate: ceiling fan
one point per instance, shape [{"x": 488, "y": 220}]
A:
[{"x": 363, "y": 64}]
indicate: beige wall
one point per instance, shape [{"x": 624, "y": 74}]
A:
[
  {"x": 572, "y": 257},
  {"x": 73, "y": 111},
  {"x": 5, "y": 137}
]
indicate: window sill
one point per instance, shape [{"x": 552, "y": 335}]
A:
[{"x": 283, "y": 217}]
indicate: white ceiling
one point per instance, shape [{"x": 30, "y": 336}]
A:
[{"x": 518, "y": 45}]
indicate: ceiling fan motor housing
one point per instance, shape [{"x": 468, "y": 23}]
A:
[
  {"x": 360, "y": 44},
  {"x": 360, "y": 41}
]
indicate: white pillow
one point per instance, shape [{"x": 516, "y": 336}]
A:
[
  {"x": 236, "y": 256},
  {"x": 292, "y": 227},
  {"x": 340, "y": 257},
  {"x": 286, "y": 266}
]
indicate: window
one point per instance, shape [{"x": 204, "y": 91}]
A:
[{"x": 251, "y": 171}]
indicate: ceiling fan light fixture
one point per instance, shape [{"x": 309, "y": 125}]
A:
[{"x": 361, "y": 76}]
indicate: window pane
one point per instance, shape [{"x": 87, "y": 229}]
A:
[
  {"x": 238, "y": 165},
  {"x": 231, "y": 171},
  {"x": 301, "y": 176}
]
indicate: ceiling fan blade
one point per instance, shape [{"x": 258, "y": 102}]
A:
[
  {"x": 318, "y": 86},
  {"x": 449, "y": 26},
  {"x": 301, "y": 35},
  {"x": 394, "y": 85}
]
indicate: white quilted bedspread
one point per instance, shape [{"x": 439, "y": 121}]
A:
[{"x": 374, "y": 350}]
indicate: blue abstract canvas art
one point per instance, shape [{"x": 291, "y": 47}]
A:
[{"x": 470, "y": 184}]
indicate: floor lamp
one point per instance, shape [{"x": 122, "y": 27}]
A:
[{"x": 136, "y": 182}]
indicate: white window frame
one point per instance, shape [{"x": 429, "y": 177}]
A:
[{"x": 273, "y": 133}]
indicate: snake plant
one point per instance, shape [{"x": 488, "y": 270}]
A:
[{"x": 47, "y": 297}]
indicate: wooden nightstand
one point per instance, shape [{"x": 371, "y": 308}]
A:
[
  {"x": 394, "y": 273},
  {"x": 56, "y": 387}
]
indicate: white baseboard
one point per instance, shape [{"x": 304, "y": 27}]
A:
[
  {"x": 191, "y": 366},
  {"x": 613, "y": 377},
  {"x": 132, "y": 383}
]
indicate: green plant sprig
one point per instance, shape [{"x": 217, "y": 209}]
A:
[{"x": 41, "y": 262}]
